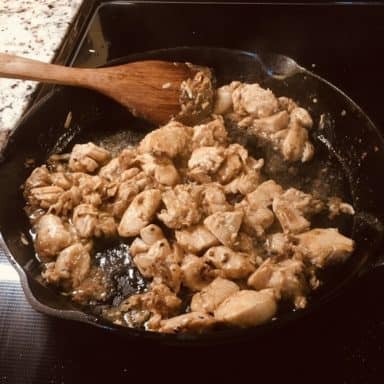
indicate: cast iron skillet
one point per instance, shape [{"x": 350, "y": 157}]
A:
[{"x": 345, "y": 139}]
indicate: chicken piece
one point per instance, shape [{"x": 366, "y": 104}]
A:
[
  {"x": 236, "y": 157},
  {"x": 177, "y": 253},
  {"x": 247, "y": 308},
  {"x": 139, "y": 213},
  {"x": 44, "y": 197},
  {"x": 265, "y": 126},
  {"x": 112, "y": 170},
  {"x": 67, "y": 201},
  {"x": 323, "y": 247},
  {"x": 171, "y": 140},
  {"x": 51, "y": 237},
  {"x": 85, "y": 220},
  {"x": 228, "y": 263},
  {"x": 127, "y": 191},
  {"x": 195, "y": 239},
  {"x": 157, "y": 253},
  {"x": 133, "y": 174},
  {"x": 257, "y": 216},
  {"x": 158, "y": 263},
  {"x": 93, "y": 189},
  {"x": 40, "y": 177},
  {"x": 304, "y": 202},
  {"x": 302, "y": 117},
  {"x": 188, "y": 322},
  {"x": 286, "y": 277},
  {"x": 244, "y": 243},
  {"x": 287, "y": 132},
  {"x": 151, "y": 234},
  {"x": 225, "y": 225},
  {"x": 138, "y": 247},
  {"x": 62, "y": 180},
  {"x": 210, "y": 297},
  {"x": 160, "y": 168},
  {"x": 196, "y": 273},
  {"x": 106, "y": 225},
  {"x": 214, "y": 199},
  {"x": 182, "y": 206},
  {"x": 286, "y": 103},
  {"x": 249, "y": 180},
  {"x": 336, "y": 207},
  {"x": 127, "y": 158},
  {"x": 158, "y": 300},
  {"x": 251, "y": 99},
  {"x": 94, "y": 287},
  {"x": 210, "y": 134},
  {"x": 71, "y": 267},
  {"x": 290, "y": 208},
  {"x": 257, "y": 220},
  {"x": 264, "y": 194},
  {"x": 278, "y": 244},
  {"x": 231, "y": 167},
  {"x": 87, "y": 158},
  {"x": 205, "y": 162},
  {"x": 88, "y": 183},
  {"x": 296, "y": 145},
  {"x": 223, "y": 100},
  {"x": 89, "y": 222},
  {"x": 290, "y": 218}
]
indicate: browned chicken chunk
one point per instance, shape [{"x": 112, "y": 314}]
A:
[
  {"x": 196, "y": 273},
  {"x": 251, "y": 99},
  {"x": 40, "y": 177},
  {"x": 85, "y": 219},
  {"x": 139, "y": 213},
  {"x": 158, "y": 300},
  {"x": 188, "y": 322},
  {"x": 160, "y": 168},
  {"x": 71, "y": 267},
  {"x": 196, "y": 239},
  {"x": 214, "y": 199},
  {"x": 229, "y": 264},
  {"x": 210, "y": 297},
  {"x": 324, "y": 246},
  {"x": 223, "y": 99},
  {"x": 51, "y": 237},
  {"x": 286, "y": 277},
  {"x": 182, "y": 206},
  {"x": 87, "y": 158},
  {"x": 225, "y": 225},
  {"x": 158, "y": 263},
  {"x": 210, "y": 134},
  {"x": 158, "y": 142},
  {"x": 247, "y": 308},
  {"x": 204, "y": 163},
  {"x": 248, "y": 180}
]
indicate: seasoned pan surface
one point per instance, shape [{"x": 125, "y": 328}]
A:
[{"x": 347, "y": 144}]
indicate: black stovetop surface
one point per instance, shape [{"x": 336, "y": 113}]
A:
[{"x": 342, "y": 344}]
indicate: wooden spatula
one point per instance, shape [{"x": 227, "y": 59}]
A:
[{"x": 150, "y": 89}]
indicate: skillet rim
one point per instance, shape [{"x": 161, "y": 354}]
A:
[{"x": 218, "y": 337}]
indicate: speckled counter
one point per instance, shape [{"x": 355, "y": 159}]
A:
[{"x": 34, "y": 29}]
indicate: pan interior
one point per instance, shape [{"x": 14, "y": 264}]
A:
[{"x": 349, "y": 151}]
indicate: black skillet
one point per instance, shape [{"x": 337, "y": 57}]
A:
[{"x": 347, "y": 144}]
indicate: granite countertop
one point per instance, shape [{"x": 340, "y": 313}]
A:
[{"x": 33, "y": 29}]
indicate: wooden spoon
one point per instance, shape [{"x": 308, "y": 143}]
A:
[{"x": 150, "y": 89}]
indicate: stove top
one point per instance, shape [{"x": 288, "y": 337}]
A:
[{"x": 342, "y": 344}]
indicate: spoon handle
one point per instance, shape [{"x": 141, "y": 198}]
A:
[{"x": 16, "y": 67}]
